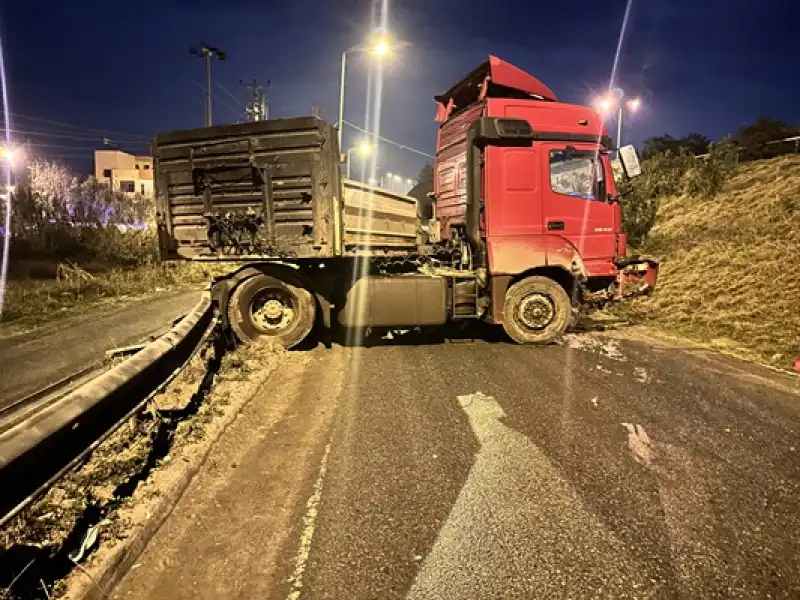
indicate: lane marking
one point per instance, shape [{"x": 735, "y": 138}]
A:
[
  {"x": 520, "y": 528},
  {"x": 309, "y": 526}
]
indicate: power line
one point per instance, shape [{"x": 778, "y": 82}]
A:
[
  {"x": 61, "y": 135},
  {"x": 388, "y": 141},
  {"x": 224, "y": 89},
  {"x": 218, "y": 99},
  {"x": 67, "y": 125}
]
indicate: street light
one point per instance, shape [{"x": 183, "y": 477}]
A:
[
  {"x": 605, "y": 105},
  {"x": 380, "y": 47},
  {"x": 364, "y": 149}
]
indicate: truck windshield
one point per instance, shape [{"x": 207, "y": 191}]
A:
[{"x": 575, "y": 173}]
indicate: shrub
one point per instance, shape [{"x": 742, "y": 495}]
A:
[
  {"x": 672, "y": 174},
  {"x": 58, "y": 217}
]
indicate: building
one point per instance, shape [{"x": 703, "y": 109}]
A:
[{"x": 124, "y": 172}]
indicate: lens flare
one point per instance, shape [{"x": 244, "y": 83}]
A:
[{"x": 6, "y": 182}]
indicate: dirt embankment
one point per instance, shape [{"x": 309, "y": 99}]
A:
[{"x": 730, "y": 273}]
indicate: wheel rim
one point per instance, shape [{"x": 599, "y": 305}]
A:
[
  {"x": 536, "y": 311},
  {"x": 273, "y": 310}
]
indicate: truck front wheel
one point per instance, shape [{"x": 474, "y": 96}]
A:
[
  {"x": 263, "y": 307},
  {"x": 536, "y": 311}
]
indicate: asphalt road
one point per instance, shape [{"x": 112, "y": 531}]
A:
[
  {"x": 596, "y": 469},
  {"x": 31, "y": 361}
]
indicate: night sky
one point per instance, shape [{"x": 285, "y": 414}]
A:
[{"x": 699, "y": 65}]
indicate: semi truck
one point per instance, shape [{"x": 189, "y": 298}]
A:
[{"x": 522, "y": 229}]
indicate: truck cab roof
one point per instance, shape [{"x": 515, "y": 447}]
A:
[{"x": 497, "y": 88}]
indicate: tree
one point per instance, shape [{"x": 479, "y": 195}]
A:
[
  {"x": 695, "y": 143},
  {"x": 754, "y": 140}
]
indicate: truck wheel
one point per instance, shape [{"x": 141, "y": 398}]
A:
[
  {"x": 263, "y": 307},
  {"x": 537, "y": 311}
]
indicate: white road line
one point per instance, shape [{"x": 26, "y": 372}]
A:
[
  {"x": 309, "y": 525},
  {"x": 519, "y": 528}
]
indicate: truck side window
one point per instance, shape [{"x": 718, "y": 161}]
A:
[{"x": 573, "y": 173}]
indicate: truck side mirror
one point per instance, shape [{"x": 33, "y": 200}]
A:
[{"x": 630, "y": 161}]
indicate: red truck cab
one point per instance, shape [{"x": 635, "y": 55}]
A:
[{"x": 547, "y": 205}]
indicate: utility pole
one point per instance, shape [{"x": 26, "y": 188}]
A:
[
  {"x": 257, "y": 108},
  {"x": 208, "y": 52}
]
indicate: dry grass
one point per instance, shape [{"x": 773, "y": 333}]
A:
[
  {"x": 730, "y": 271},
  {"x": 31, "y": 302}
]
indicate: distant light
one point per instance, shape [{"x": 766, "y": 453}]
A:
[
  {"x": 364, "y": 148},
  {"x": 397, "y": 178},
  {"x": 634, "y": 104},
  {"x": 389, "y": 175},
  {"x": 372, "y": 181},
  {"x": 410, "y": 181},
  {"x": 381, "y": 48},
  {"x": 13, "y": 156}
]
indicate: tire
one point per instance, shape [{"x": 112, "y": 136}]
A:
[
  {"x": 263, "y": 307},
  {"x": 537, "y": 310}
]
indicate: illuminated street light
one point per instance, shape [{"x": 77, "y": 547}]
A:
[
  {"x": 11, "y": 156},
  {"x": 379, "y": 47},
  {"x": 605, "y": 104},
  {"x": 364, "y": 149}
]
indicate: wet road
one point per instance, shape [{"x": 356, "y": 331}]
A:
[
  {"x": 596, "y": 469},
  {"x": 31, "y": 361}
]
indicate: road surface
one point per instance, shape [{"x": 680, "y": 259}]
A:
[
  {"x": 31, "y": 361},
  {"x": 601, "y": 468}
]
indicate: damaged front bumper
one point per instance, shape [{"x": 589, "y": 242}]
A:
[{"x": 636, "y": 277}]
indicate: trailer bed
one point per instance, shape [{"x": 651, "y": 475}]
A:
[{"x": 270, "y": 189}]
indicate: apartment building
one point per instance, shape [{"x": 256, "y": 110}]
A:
[{"x": 124, "y": 172}]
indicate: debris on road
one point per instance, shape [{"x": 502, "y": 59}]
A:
[
  {"x": 608, "y": 347},
  {"x": 642, "y": 375},
  {"x": 639, "y": 443}
]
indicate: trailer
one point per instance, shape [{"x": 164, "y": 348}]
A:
[{"x": 524, "y": 227}]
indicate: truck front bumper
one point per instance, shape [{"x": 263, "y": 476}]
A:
[{"x": 634, "y": 278}]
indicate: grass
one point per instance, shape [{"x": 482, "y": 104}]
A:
[
  {"x": 31, "y": 302},
  {"x": 58, "y": 270},
  {"x": 730, "y": 265}
]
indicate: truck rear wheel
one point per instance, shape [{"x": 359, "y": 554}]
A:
[
  {"x": 263, "y": 307},
  {"x": 537, "y": 311}
]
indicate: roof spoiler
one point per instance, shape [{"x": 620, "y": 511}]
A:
[{"x": 494, "y": 74}]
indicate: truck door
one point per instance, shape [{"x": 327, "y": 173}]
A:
[{"x": 575, "y": 202}]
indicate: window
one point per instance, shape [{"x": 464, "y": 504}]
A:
[
  {"x": 128, "y": 187},
  {"x": 142, "y": 189},
  {"x": 106, "y": 172},
  {"x": 576, "y": 173},
  {"x": 137, "y": 167},
  {"x": 147, "y": 167}
]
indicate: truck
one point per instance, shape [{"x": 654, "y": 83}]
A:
[{"x": 522, "y": 229}]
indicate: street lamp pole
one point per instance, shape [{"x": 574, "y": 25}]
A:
[
  {"x": 619, "y": 128},
  {"x": 380, "y": 48},
  {"x": 339, "y": 123}
]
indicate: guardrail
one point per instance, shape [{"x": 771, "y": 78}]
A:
[{"x": 39, "y": 450}]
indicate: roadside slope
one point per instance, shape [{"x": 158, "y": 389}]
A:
[{"x": 730, "y": 272}]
